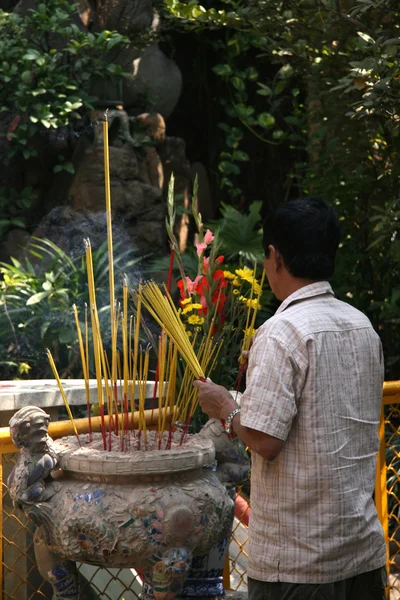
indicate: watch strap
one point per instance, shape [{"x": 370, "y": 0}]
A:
[{"x": 229, "y": 419}]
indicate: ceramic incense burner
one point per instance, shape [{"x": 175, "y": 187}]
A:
[{"x": 156, "y": 510}]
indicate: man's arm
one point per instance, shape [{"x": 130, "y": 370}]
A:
[{"x": 217, "y": 403}]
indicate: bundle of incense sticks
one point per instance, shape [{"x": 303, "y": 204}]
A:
[
  {"x": 163, "y": 310},
  {"x": 118, "y": 379}
]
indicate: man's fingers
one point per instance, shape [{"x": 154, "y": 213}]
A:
[{"x": 197, "y": 383}]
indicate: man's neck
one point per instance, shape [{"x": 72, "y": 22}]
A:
[{"x": 290, "y": 285}]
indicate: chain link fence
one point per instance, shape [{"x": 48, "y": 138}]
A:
[
  {"x": 21, "y": 579},
  {"x": 391, "y": 504}
]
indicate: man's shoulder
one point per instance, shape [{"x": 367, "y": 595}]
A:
[{"x": 306, "y": 318}]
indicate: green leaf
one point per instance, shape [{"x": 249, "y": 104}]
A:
[
  {"x": 223, "y": 70},
  {"x": 265, "y": 120},
  {"x": 265, "y": 90},
  {"x": 18, "y": 222},
  {"x": 38, "y": 92},
  {"x": 37, "y": 298},
  {"x": 367, "y": 38},
  {"x": 240, "y": 234},
  {"x": 31, "y": 55},
  {"x": 238, "y": 83},
  {"x": 43, "y": 329},
  {"x": 240, "y": 155},
  {"x": 263, "y": 93}
]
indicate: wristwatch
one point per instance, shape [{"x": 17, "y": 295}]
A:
[{"x": 229, "y": 419}]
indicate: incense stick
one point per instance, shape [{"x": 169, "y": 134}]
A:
[
  {"x": 84, "y": 366},
  {"x": 168, "y": 318},
  {"x": 55, "y": 373}
]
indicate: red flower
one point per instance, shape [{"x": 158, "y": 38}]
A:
[{"x": 200, "y": 286}]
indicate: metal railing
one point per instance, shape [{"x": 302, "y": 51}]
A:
[{"x": 20, "y": 579}]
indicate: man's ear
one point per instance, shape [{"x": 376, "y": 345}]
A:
[{"x": 276, "y": 257}]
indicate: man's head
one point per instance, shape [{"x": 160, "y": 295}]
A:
[{"x": 300, "y": 242}]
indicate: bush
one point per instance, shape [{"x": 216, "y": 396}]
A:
[{"x": 37, "y": 295}]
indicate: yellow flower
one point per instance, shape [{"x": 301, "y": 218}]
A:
[
  {"x": 246, "y": 274},
  {"x": 186, "y": 301},
  {"x": 249, "y": 332},
  {"x": 24, "y": 368},
  {"x": 229, "y": 275},
  {"x": 195, "y": 320},
  {"x": 236, "y": 292},
  {"x": 256, "y": 287},
  {"x": 236, "y": 282},
  {"x": 253, "y": 304},
  {"x": 250, "y": 303},
  {"x": 191, "y": 307}
]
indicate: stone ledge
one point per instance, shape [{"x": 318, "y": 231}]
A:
[{"x": 45, "y": 393}]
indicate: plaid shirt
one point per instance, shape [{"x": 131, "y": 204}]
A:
[{"x": 315, "y": 380}]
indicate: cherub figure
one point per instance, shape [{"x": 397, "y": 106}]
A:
[{"x": 30, "y": 480}]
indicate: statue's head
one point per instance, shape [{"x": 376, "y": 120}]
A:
[{"x": 28, "y": 427}]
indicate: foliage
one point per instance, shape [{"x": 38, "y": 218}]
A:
[
  {"x": 328, "y": 74},
  {"x": 239, "y": 234},
  {"x": 47, "y": 69},
  {"x": 37, "y": 294},
  {"x": 239, "y": 240},
  {"x": 220, "y": 298},
  {"x": 14, "y": 205},
  {"x": 48, "y": 66}
]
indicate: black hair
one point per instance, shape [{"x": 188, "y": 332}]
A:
[{"x": 306, "y": 233}]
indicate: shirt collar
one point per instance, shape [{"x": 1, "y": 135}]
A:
[{"x": 308, "y": 291}]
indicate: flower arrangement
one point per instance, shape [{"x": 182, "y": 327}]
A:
[
  {"x": 218, "y": 297},
  {"x": 202, "y": 336}
]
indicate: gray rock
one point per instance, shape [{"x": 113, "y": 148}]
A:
[
  {"x": 127, "y": 199},
  {"x": 150, "y": 234},
  {"x": 123, "y": 162},
  {"x": 153, "y": 195},
  {"x": 158, "y": 78}
]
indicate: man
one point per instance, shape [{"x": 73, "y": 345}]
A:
[{"x": 310, "y": 416}]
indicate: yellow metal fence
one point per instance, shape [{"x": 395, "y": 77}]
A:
[{"x": 20, "y": 579}]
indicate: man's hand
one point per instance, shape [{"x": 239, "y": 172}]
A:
[
  {"x": 215, "y": 400},
  {"x": 217, "y": 403},
  {"x": 244, "y": 359}
]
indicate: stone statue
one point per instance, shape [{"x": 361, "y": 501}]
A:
[
  {"x": 30, "y": 480},
  {"x": 163, "y": 512},
  {"x": 30, "y": 483}
]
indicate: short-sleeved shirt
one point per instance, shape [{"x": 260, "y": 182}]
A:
[{"x": 315, "y": 381}]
